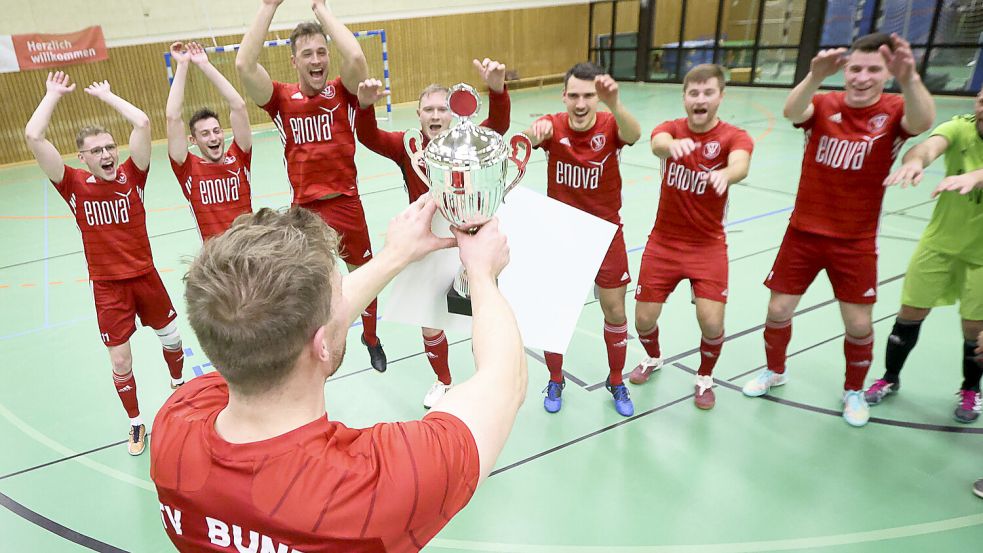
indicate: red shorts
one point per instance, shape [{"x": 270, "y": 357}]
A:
[
  {"x": 117, "y": 301},
  {"x": 665, "y": 262},
  {"x": 345, "y": 215},
  {"x": 614, "y": 269},
  {"x": 850, "y": 264}
]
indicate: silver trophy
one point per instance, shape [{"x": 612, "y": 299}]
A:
[{"x": 465, "y": 169}]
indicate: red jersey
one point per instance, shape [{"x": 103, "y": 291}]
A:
[
  {"x": 111, "y": 217},
  {"x": 319, "y": 488},
  {"x": 582, "y": 166},
  {"x": 689, "y": 208},
  {"x": 218, "y": 192},
  {"x": 848, "y": 154},
  {"x": 318, "y": 139},
  {"x": 390, "y": 144}
]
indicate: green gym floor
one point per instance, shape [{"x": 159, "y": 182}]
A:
[{"x": 783, "y": 473}]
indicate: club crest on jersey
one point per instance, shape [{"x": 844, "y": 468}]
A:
[
  {"x": 877, "y": 122},
  {"x": 328, "y": 92},
  {"x": 597, "y": 142},
  {"x": 711, "y": 149},
  {"x": 121, "y": 177}
]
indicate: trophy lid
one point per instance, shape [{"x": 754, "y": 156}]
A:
[{"x": 466, "y": 146}]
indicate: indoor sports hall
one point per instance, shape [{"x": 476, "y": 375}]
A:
[{"x": 779, "y": 473}]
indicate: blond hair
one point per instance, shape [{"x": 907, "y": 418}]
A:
[
  {"x": 257, "y": 294},
  {"x": 86, "y": 132},
  {"x": 430, "y": 90},
  {"x": 703, "y": 73}
]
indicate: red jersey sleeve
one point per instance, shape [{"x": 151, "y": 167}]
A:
[
  {"x": 818, "y": 102},
  {"x": 64, "y": 187},
  {"x": 385, "y": 143},
  {"x": 741, "y": 140},
  {"x": 273, "y": 105},
  {"x": 428, "y": 472},
  {"x": 665, "y": 127},
  {"x": 499, "y": 111},
  {"x": 182, "y": 171}
]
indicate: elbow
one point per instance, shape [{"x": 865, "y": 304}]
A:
[
  {"x": 32, "y": 136},
  {"x": 242, "y": 64},
  {"x": 238, "y": 105},
  {"x": 142, "y": 122}
]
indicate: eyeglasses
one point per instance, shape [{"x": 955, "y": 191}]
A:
[{"x": 97, "y": 151}]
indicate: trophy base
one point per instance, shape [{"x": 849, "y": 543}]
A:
[{"x": 458, "y": 304}]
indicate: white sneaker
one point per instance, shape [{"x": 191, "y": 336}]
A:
[
  {"x": 856, "y": 412},
  {"x": 764, "y": 381},
  {"x": 436, "y": 392}
]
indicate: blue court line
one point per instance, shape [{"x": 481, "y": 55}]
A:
[{"x": 737, "y": 222}]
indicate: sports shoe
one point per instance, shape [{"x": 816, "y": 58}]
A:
[
  {"x": 764, "y": 381},
  {"x": 622, "y": 399},
  {"x": 968, "y": 407},
  {"x": 436, "y": 392},
  {"x": 880, "y": 390},
  {"x": 641, "y": 373},
  {"x": 978, "y": 487},
  {"x": 704, "y": 397},
  {"x": 377, "y": 357},
  {"x": 552, "y": 402},
  {"x": 856, "y": 412},
  {"x": 138, "y": 440}
]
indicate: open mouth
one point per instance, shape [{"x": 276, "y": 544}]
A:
[
  {"x": 700, "y": 111},
  {"x": 317, "y": 73},
  {"x": 435, "y": 128},
  {"x": 581, "y": 113},
  {"x": 215, "y": 149},
  {"x": 108, "y": 166}
]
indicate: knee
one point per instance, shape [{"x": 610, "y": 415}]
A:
[
  {"x": 645, "y": 321},
  {"x": 858, "y": 325},
  {"x": 122, "y": 362},
  {"x": 169, "y": 336},
  {"x": 712, "y": 329},
  {"x": 779, "y": 311}
]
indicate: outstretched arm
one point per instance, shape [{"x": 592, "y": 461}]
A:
[
  {"x": 499, "y": 104},
  {"x": 384, "y": 143},
  {"x": 919, "y": 108},
  {"x": 57, "y": 85},
  {"x": 238, "y": 115},
  {"x": 540, "y": 131},
  {"x": 140, "y": 135},
  {"x": 963, "y": 184},
  {"x": 798, "y": 105},
  {"x": 354, "y": 68},
  {"x": 488, "y": 401},
  {"x": 629, "y": 131},
  {"x": 915, "y": 161},
  {"x": 258, "y": 84},
  {"x": 177, "y": 142}
]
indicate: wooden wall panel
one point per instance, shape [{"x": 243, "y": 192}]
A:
[{"x": 421, "y": 51}]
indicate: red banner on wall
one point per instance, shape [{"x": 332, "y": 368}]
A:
[{"x": 41, "y": 51}]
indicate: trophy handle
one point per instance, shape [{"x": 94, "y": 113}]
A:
[
  {"x": 415, "y": 152},
  {"x": 519, "y": 141}
]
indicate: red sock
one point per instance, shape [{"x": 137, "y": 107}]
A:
[
  {"x": 859, "y": 353},
  {"x": 616, "y": 341},
  {"x": 175, "y": 362},
  {"x": 777, "y": 337},
  {"x": 436, "y": 348},
  {"x": 650, "y": 342},
  {"x": 554, "y": 362},
  {"x": 709, "y": 353},
  {"x": 126, "y": 387},
  {"x": 368, "y": 323}
]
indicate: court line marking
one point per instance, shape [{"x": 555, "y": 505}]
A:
[
  {"x": 896, "y": 532},
  {"x": 56, "y": 528}
]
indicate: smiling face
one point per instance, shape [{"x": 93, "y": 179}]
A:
[
  {"x": 701, "y": 101},
  {"x": 580, "y": 97},
  {"x": 311, "y": 62},
  {"x": 435, "y": 116},
  {"x": 209, "y": 136},
  {"x": 865, "y": 74},
  {"x": 100, "y": 155}
]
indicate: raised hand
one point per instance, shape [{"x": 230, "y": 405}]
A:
[
  {"x": 197, "y": 54},
  {"x": 371, "y": 91},
  {"x": 959, "y": 183},
  {"x": 179, "y": 53},
  {"x": 607, "y": 90},
  {"x": 719, "y": 182},
  {"x": 542, "y": 130},
  {"x": 827, "y": 62},
  {"x": 59, "y": 84},
  {"x": 682, "y": 148},
  {"x": 492, "y": 72},
  {"x": 900, "y": 62},
  {"x": 484, "y": 253},
  {"x": 99, "y": 89},
  {"x": 909, "y": 174}
]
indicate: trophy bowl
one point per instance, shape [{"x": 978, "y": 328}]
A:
[{"x": 465, "y": 170}]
